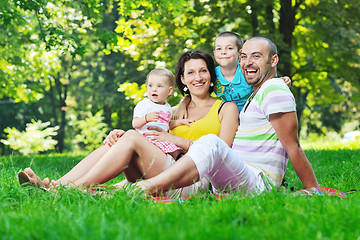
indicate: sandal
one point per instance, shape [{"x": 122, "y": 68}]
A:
[{"x": 24, "y": 180}]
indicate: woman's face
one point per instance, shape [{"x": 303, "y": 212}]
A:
[{"x": 196, "y": 77}]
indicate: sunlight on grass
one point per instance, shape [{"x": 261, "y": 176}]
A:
[
  {"x": 28, "y": 213},
  {"x": 329, "y": 145}
]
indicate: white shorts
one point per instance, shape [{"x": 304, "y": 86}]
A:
[
  {"x": 202, "y": 185},
  {"x": 216, "y": 161}
]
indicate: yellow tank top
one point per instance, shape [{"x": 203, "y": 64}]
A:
[{"x": 206, "y": 125}]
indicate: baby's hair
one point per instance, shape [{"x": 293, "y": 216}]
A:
[
  {"x": 238, "y": 39},
  {"x": 162, "y": 72}
]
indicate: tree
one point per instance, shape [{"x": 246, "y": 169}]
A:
[{"x": 316, "y": 44}]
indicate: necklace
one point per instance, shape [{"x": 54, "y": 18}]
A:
[{"x": 251, "y": 97}]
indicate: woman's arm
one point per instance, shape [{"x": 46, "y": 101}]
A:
[{"x": 229, "y": 119}]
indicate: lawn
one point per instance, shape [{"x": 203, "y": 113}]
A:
[{"x": 27, "y": 213}]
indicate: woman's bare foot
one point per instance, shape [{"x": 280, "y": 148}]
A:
[
  {"x": 34, "y": 179},
  {"x": 29, "y": 177},
  {"x": 55, "y": 183}
]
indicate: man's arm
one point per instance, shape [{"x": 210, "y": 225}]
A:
[{"x": 286, "y": 127}]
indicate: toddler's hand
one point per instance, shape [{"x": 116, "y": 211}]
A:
[
  {"x": 152, "y": 117},
  {"x": 287, "y": 81}
]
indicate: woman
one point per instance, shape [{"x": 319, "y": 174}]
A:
[{"x": 133, "y": 154}]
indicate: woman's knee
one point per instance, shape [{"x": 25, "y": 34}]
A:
[
  {"x": 131, "y": 135},
  {"x": 130, "y": 138}
]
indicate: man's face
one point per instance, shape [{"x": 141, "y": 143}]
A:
[{"x": 255, "y": 63}]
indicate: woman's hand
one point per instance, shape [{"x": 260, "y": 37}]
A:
[
  {"x": 159, "y": 135},
  {"x": 113, "y": 136},
  {"x": 175, "y": 123}
]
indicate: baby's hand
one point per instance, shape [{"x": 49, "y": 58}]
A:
[{"x": 152, "y": 117}]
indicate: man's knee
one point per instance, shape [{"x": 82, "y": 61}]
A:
[
  {"x": 213, "y": 142},
  {"x": 210, "y": 139},
  {"x": 209, "y": 145}
]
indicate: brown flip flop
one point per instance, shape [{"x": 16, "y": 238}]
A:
[{"x": 24, "y": 179}]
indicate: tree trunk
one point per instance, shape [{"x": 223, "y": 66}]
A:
[
  {"x": 269, "y": 16},
  {"x": 110, "y": 60},
  {"x": 286, "y": 28},
  {"x": 254, "y": 17},
  {"x": 62, "y": 92}
]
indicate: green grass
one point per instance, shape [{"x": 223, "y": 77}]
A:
[{"x": 27, "y": 213}]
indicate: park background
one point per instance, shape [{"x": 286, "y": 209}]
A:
[{"x": 72, "y": 70}]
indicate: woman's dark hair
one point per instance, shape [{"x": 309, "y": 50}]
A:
[{"x": 194, "y": 54}]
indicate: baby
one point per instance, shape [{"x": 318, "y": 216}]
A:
[{"x": 154, "y": 111}]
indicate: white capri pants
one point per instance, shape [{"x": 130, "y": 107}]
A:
[
  {"x": 225, "y": 169},
  {"x": 201, "y": 185}
]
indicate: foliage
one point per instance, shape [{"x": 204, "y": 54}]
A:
[
  {"x": 133, "y": 92},
  {"x": 36, "y": 138},
  {"x": 306, "y": 32},
  {"x": 68, "y": 57},
  {"x": 92, "y": 131}
]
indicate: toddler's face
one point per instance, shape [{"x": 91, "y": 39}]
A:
[
  {"x": 158, "y": 88},
  {"x": 226, "y": 52}
]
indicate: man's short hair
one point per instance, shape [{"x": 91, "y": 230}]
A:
[{"x": 272, "y": 46}]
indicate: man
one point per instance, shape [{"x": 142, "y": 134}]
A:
[{"x": 266, "y": 137}]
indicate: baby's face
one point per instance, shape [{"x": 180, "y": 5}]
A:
[
  {"x": 158, "y": 88},
  {"x": 226, "y": 52}
]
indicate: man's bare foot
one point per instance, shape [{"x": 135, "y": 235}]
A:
[{"x": 146, "y": 187}]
